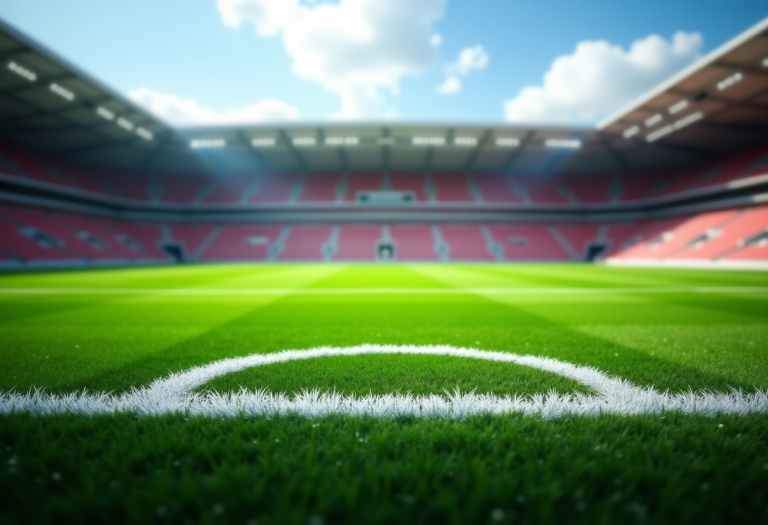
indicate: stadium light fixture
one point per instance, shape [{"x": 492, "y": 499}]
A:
[
  {"x": 263, "y": 142},
  {"x": 678, "y": 124},
  {"x": 342, "y": 141},
  {"x": 631, "y": 132},
  {"x": 428, "y": 141},
  {"x": 105, "y": 113},
  {"x": 207, "y": 143},
  {"x": 465, "y": 141},
  {"x": 653, "y": 120},
  {"x": 22, "y": 71},
  {"x": 678, "y": 107},
  {"x": 728, "y": 82},
  {"x": 125, "y": 124},
  {"x": 145, "y": 134},
  {"x": 303, "y": 141},
  {"x": 563, "y": 143},
  {"x": 507, "y": 142},
  {"x": 765, "y": 62},
  {"x": 62, "y": 92}
]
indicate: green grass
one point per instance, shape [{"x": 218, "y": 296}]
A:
[
  {"x": 644, "y": 469},
  {"x": 385, "y": 374}
]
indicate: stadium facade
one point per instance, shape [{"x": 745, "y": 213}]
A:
[{"x": 679, "y": 177}]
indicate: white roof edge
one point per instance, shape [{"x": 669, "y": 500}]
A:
[
  {"x": 397, "y": 124},
  {"x": 696, "y": 66}
]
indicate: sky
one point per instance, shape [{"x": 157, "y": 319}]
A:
[{"x": 487, "y": 61}]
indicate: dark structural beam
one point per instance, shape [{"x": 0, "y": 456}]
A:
[
  {"x": 263, "y": 166},
  {"x": 516, "y": 152},
  {"x": 289, "y": 145},
  {"x": 484, "y": 138}
]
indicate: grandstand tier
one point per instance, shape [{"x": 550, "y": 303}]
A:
[{"x": 32, "y": 235}]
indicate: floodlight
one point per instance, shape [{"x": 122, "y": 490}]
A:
[
  {"x": 465, "y": 141},
  {"x": 631, "y": 132},
  {"x": 563, "y": 143},
  {"x": 656, "y": 135},
  {"x": 765, "y": 62},
  {"x": 507, "y": 142},
  {"x": 303, "y": 141},
  {"x": 678, "y": 107},
  {"x": 107, "y": 114},
  {"x": 653, "y": 120},
  {"x": 207, "y": 143},
  {"x": 341, "y": 141},
  {"x": 690, "y": 119},
  {"x": 263, "y": 142},
  {"x": 62, "y": 92},
  {"x": 143, "y": 133},
  {"x": 728, "y": 82},
  {"x": 123, "y": 123},
  {"x": 678, "y": 124},
  {"x": 428, "y": 141},
  {"x": 22, "y": 71}
]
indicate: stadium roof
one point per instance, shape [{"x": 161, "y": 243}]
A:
[{"x": 718, "y": 104}]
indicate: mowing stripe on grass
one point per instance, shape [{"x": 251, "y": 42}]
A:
[
  {"x": 381, "y": 291},
  {"x": 175, "y": 394}
]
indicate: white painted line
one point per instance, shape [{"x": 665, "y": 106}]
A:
[
  {"x": 175, "y": 394},
  {"x": 382, "y": 291}
]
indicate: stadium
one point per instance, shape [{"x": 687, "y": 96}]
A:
[{"x": 379, "y": 322}]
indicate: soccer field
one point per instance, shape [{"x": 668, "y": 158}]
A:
[{"x": 445, "y": 394}]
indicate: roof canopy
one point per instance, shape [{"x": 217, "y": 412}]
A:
[{"x": 717, "y": 105}]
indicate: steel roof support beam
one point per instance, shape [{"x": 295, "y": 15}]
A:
[
  {"x": 262, "y": 165},
  {"x": 484, "y": 139},
  {"x": 289, "y": 145},
  {"x": 509, "y": 163}
]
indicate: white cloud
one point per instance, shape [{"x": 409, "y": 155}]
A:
[
  {"x": 450, "y": 86},
  {"x": 187, "y": 111},
  {"x": 358, "y": 49},
  {"x": 599, "y": 78},
  {"x": 470, "y": 59}
]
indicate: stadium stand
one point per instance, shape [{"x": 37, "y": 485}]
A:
[
  {"x": 306, "y": 242},
  {"x": 589, "y": 188},
  {"x": 275, "y": 188},
  {"x": 231, "y": 189},
  {"x": 36, "y": 235},
  {"x": 359, "y": 182},
  {"x": 579, "y": 236},
  {"x": 495, "y": 188},
  {"x": 413, "y": 182},
  {"x": 320, "y": 187},
  {"x": 528, "y": 242},
  {"x": 413, "y": 242},
  {"x": 140, "y": 190},
  {"x": 451, "y": 187},
  {"x": 729, "y": 237},
  {"x": 540, "y": 189},
  {"x": 190, "y": 236},
  {"x": 182, "y": 188},
  {"x": 357, "y": 242},
  {"x": 466, "y": 242},
  {"x": 238, "y": 242}
]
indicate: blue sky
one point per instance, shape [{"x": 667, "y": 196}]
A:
[{"x": 567, "y": 61}]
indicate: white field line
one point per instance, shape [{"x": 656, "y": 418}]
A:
[
  {"x": 175, "y": 394},
  {"x": 381, "y": 291}
]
